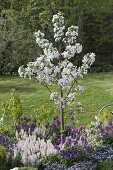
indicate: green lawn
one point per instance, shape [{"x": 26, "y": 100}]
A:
[{"x": 98, "y": 92}]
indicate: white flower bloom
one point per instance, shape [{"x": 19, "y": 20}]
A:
[
  {"x": 71, "y": 96},
  {"x": 65, "y": 54},
  {"x": 2, "y": 119},
  {"x": 79, "y": 89},
  {"x": 88, "y": 59},
  {"x": 78, "y": 48},
  {"x": 58, "y": 23},
  {"x": 54, "y": 96},
  {"x": 16, "y": 168},
  {"x": 71, "y": 35},
  {"x": 21, "y": 71},
  {"x": 63, "y": 82}
]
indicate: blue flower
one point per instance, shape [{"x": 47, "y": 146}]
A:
[
  {"x": 69, "y": 141},
  {"x": 55, "y": 118},
  {"x": 47, "y": 124},
  {"x": 57, "y": 147}
]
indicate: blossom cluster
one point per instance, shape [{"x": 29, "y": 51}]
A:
[
  {"x": 58, "y": 23},
  {"x": 71, "y": 35}
]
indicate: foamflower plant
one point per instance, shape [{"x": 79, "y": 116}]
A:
[{"x": 32, "y": 148}]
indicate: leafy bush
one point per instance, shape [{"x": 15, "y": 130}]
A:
[
  {"x": 15, "y": 105},
  {"x": 12, "y": 108},
  {"x": 3, "y": 152},
  {"x": 102, "y": 67},
  {"x": 16, "y": 162},
  {"x": 4, "y": 164},
  {"x": 105, "y": 165}
]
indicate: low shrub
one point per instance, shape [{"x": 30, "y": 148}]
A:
[
  {"x": 105, "y": 165},
  {"x": 4, "y": 159}
]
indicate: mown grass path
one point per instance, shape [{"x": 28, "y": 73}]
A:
[{"x": 98, "y": 92}]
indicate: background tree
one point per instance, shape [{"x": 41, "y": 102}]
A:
[{"x": 19, "y": 19}]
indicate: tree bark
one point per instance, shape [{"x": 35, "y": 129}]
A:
[{"x": 61, "y": 114}]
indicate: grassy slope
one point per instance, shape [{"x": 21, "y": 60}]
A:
[{"x": 98, "y": 92}]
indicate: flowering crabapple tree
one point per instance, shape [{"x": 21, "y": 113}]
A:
[{"x": 54, "y": 66}]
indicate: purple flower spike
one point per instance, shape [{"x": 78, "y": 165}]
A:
[
  {"x": 57, "y": 148},
  {"x": 69, "y": 141},
  {"x": 53, "y": 126},
  {"x": 82, "y": 139},
  {"x": 11, "y": 145},
  {"x": 55, "y": 118},
  {"x": 72, "y": 156},
  {"x": 68, "y": 128},
  {"x": 17, "y": 128},
  {"x": 76, "y": 142},
  {"x": 72, "y": 118},
  {"x": 74, "y": 136},
  {"x": 77, "y": 154},
  {"x": 65, "y": 153},
  {"x": 58, "y": 123},
  {"x": 47, "y": 124},
  {"x": 26, "y": 119},
  {"x": 86, "y": 148},
  {"x": 63, "y": 140}
]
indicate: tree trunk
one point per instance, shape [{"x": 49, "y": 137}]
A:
[{"x": 61, "y": 114}]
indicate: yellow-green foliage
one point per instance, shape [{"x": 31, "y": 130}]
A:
[
  {"x": 105, "y": 117},
  {"x": 3, "y": 152},
  {"x": 13, "y": 107}
]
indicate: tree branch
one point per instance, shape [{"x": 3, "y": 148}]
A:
[
  {"x": 75, "y": 81},
  {"x": 47, "y": 87}
]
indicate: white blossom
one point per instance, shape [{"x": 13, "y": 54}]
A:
[
  {"x": 58, "y": 23},
  {"x": 16, "y": 168},
  {"x": 54, "y": 96},
  {"x": 2, "y": 119},
  {"x": 79, "y": 89},
  {"x": 71, "y": 96},
  {"x": 71, "y": 35}
]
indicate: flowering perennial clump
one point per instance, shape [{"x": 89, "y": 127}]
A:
[
  {"x": 32, "y": 148},
  {"x": 54, "y": 65}
]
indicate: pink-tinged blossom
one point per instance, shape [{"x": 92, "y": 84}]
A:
[{"x": 32, "y": 148}]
